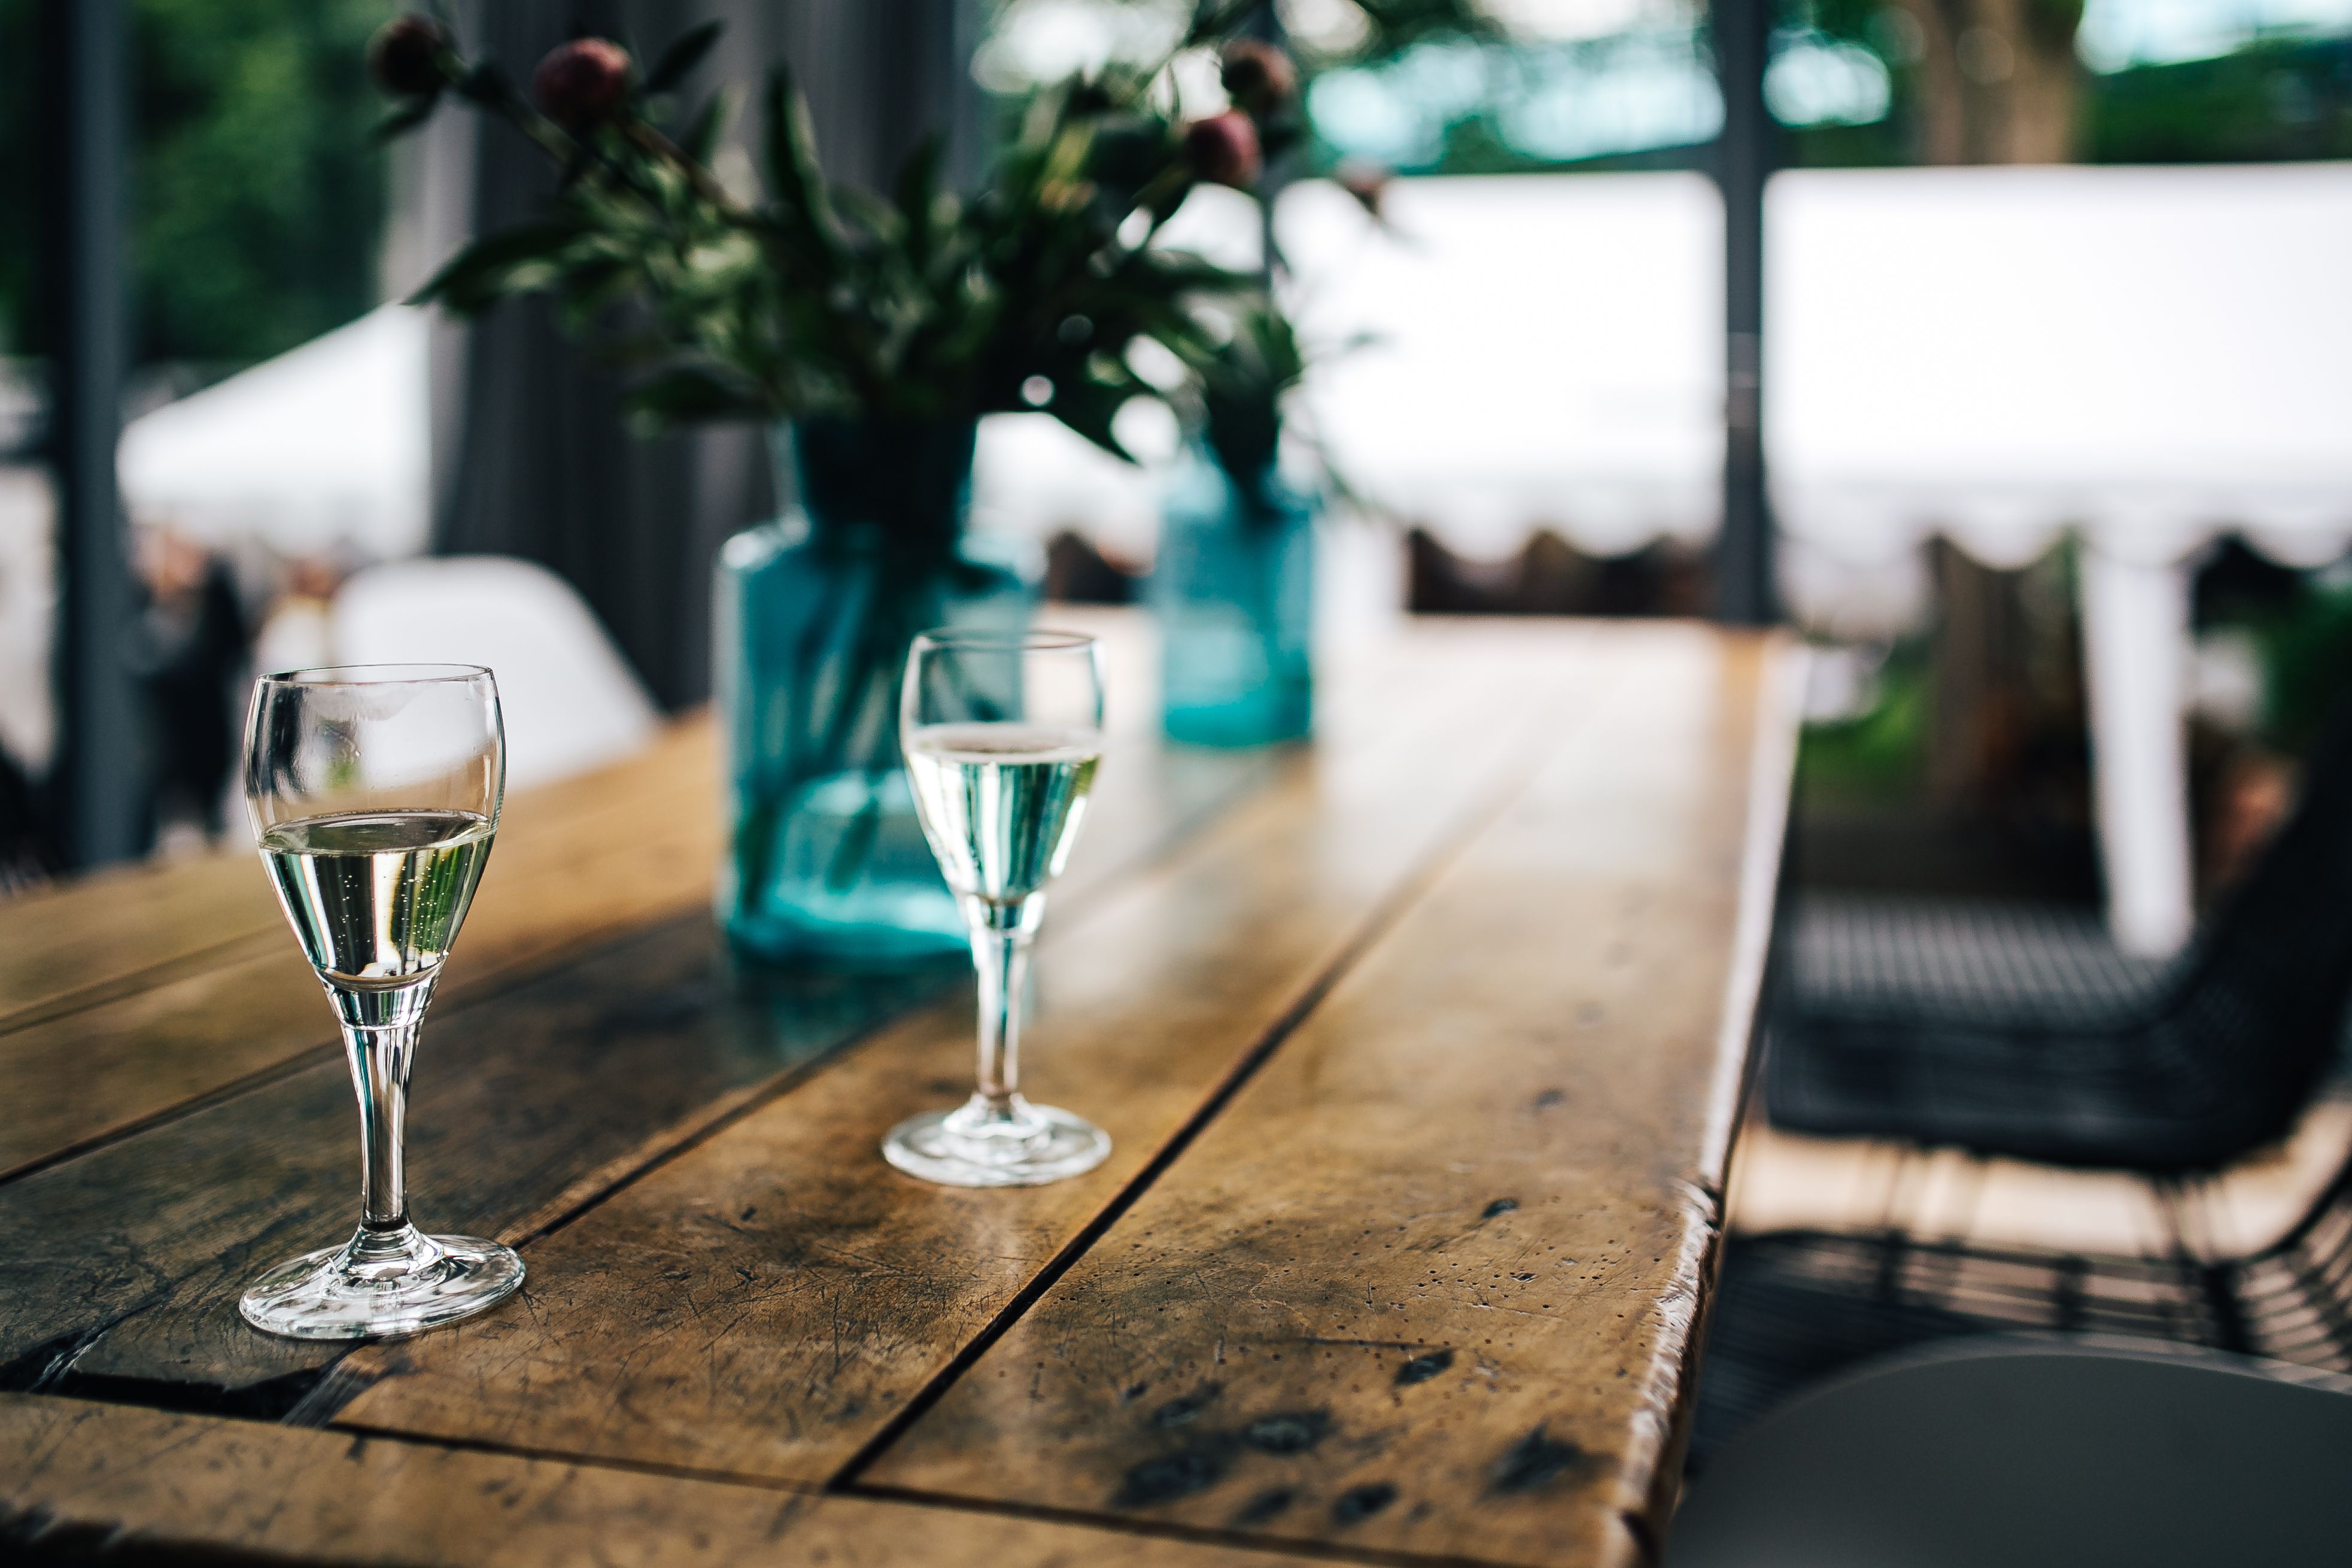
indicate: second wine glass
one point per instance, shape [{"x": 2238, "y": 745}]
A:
[
  {"x": 375, "y": 791},
  {"x": 1003, "y": 734}
]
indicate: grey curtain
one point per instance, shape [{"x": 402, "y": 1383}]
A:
[{"x": 531, "y": 456}]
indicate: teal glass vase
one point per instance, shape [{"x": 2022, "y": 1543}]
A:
[
  {"x": 826, "y": 863},
  {"x": 1234, "y": 590}
]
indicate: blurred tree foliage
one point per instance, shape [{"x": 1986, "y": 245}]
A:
[
  {"x": 2274, "y": 100},
  {"x": 2277, "y": 100},
  {"x": 257, "y": 197},
  {"x": 2307, "y": 649},
  {"x": 1880, "y": 754}
]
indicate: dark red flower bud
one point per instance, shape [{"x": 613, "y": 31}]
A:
[
  {"x": 404, "y": 55},
  {"x": 1257, "y": 75},
  {"x": 1223, "y": 150},
  {"x": 582, "y": 82}
]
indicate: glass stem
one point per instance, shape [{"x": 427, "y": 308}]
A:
[
  {"x": 999, "y": 952},
  {"x": 380, "y": 1028}
]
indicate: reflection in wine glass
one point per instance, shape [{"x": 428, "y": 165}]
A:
[
  {"x": 376, "y": 791},
  {"x": 1003, "y": 733}
]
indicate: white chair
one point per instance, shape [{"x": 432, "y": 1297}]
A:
[
  {"x": 572, "y": 703},
  {"x": 2000, "y": 1453}
]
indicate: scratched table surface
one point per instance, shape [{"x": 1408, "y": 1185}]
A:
[{"x": 1421, "y": 1046}]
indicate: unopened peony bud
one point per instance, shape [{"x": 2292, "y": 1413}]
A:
[
  {"x": 1223, "y": 150},
  {"x": 404, "y": 55},
  {"x": 582, "y": 82},
  {"x": 1257, "y": 75}
]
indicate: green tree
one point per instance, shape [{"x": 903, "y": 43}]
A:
[{"x": 257, "y": 197}]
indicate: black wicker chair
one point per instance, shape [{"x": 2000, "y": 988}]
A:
[
  {"x": 1796, "y": 1306},
  {"x": 2025, "y": 1034}
]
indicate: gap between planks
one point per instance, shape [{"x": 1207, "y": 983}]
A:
[
  {"x": 1514, "y": 777},
  {"x": 1125, "y": 1524},
  {"x": 224, "y": 883},
  {"x": 1508, "y": 776},
  {"x": 337, "y": 1387},
  {"x": 908, "y": 1349},
  {"x": 486, "y": 987},
  {"x": 1374, "y": 1557}
]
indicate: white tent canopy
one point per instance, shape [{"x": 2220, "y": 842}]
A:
[
  {"x": 2149, "y": 356},
  {"x": 1535, "y": 352},
  {"x": 327, "y": 446},
  {"x": 2144, "y": 356}
]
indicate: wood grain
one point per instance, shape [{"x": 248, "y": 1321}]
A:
[
  {"x": 126, "y": 1261},
  {"x": 1420, "y": 1047},
  {"x": 81, "y": 1482},
  {"x": 1430, "y": 1283},
  {"x": 575, "y": 864},
  {"x": 567, "y": 871},
  {"x": 83, "y": 942},
  {"x": 769, "y": 1302}
]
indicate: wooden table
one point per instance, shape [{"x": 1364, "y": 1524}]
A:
[{"x": 1421, "y": 1047}]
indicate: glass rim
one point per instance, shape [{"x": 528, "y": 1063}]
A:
[
  {"x": 1037, "y": 639},
  {"x": 376, "y": 675}
]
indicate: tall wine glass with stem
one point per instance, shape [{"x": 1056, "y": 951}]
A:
[
  {"x": 374, "y": 790},
  {"x": 1002, "y": 732}
]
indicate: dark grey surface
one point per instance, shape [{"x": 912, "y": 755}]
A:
[
  {"x": 1744, "y": 159},
  {"x": 2005, "y": 1453},
  {"x": 97, "y": 782}
]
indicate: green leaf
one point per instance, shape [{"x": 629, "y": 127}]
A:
[
  {"x": 1214, "y": 20},
  {"x": 917, "y": 184},
  {"x": 682, "y": 56},
  {"x": 792, "y": 163},
  {"x": 872, "y": 214},
  {"x": 488, "y": 270},
  {"x": 1088, "y": 408}
]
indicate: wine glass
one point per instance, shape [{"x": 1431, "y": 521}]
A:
[
  {"x": 374, "y": 790},
  {"x": 1002, "y": 732}
]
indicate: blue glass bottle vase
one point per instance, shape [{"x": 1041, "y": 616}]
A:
[
  {"x": 1233, "y": 588},
  {"x": 826, "y": 863}
]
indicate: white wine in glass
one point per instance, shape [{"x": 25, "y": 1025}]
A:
[
  {"x": 1003, "y": 734},
  {"x": 375, "y": 899},
  {"x": 375, "y": 791}
]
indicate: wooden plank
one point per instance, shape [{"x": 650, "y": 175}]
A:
[
  {"x": 125, "y": 1262},
  {"x": 90, "y": 940},
  {"x": 568, "y": 871},
  {"x": 576, "y": 863},
  {"x": 1430, "y": 1283},
  {"x": 81, "y": 1482},
  {"x": 766, "y": 1304},
  {"x": 86, "y": 942},
  {"x": 82, "y": 942}
]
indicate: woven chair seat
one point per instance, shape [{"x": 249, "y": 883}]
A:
[
  {"x": 2002, "y": 965},
  {"x": 1794, "y": 1307},
  {"x": 2020, "y": 1031}
]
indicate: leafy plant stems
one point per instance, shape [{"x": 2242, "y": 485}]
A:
[{"x": 819, "y": 300}]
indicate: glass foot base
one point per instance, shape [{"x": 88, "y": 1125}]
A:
[
  {"x": 1021, "y": 1145},
  {"x": 382, "y": 1282}
]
